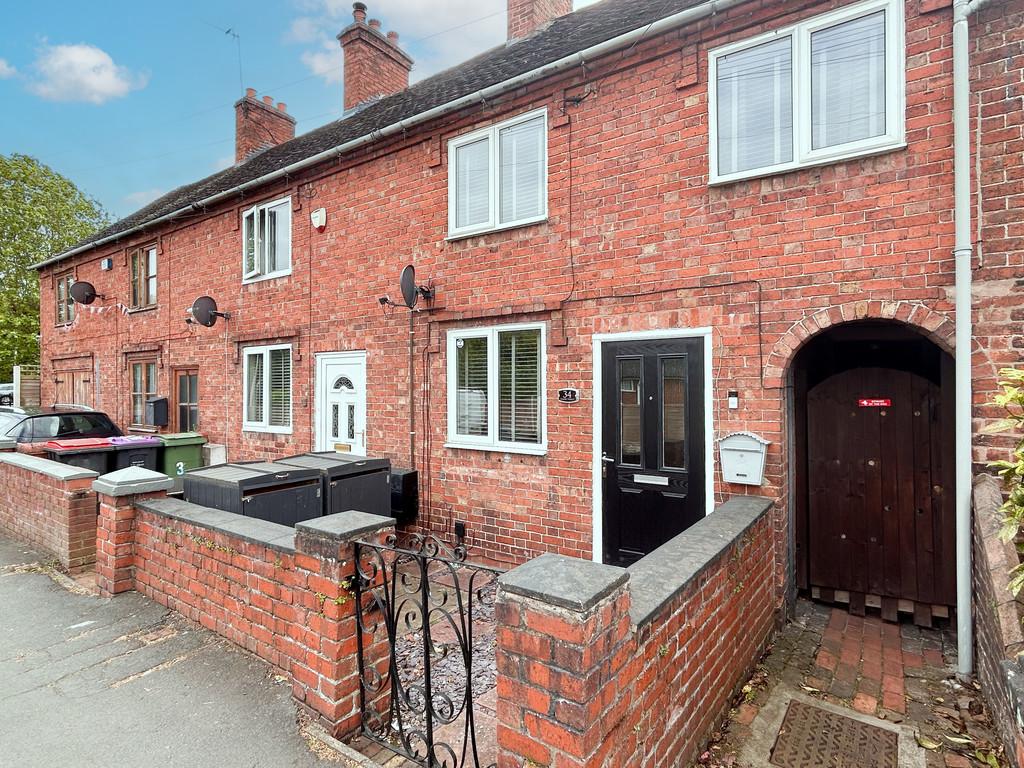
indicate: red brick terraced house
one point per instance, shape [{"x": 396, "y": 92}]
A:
[{"x": 636, "y": 229}]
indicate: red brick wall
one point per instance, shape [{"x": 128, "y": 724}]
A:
[
  {"x": 259, "y": 124},
  {"x": 56, "y": 516},
  {"x": 526, "y": 16},
  {"x": 645, "y": 243},
  {"x": 997, "y": 615},
  {"x": 293, "y": 609},
  {"x": 590, "y": 690}
]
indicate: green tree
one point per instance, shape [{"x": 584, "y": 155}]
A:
[
  {"x": 1012, "y": 470},
  {"x": 41, "y": 214}
]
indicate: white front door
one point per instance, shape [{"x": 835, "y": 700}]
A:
[{"x": 341, "y": 402}]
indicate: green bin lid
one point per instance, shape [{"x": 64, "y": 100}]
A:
[{"x": 182, "y": 438}]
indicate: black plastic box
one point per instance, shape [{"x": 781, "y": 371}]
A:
[
  {"x": 268, "y": 491},
  {"x": 405, "y": 494},
  {"x": 349, "y": 481}
]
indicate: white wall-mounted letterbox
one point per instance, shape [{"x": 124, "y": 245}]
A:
[{"x": 742, "y": 455}]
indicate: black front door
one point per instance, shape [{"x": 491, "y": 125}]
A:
[{"x": 652, "y": 444}]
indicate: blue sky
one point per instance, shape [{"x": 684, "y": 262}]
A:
[{"x": 132, "y": 99}]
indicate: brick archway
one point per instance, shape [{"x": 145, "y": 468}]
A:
[{"x": 936, "y": 326}]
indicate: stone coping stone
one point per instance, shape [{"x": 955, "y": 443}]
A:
[
  {"x": 251, "y": 529},
  {"x": 132, "y": 481},
  {"x": 566, "y": 582},
  {"x": 344, "y": 526},
  {"x": 54, "y": 469},
  {"x": 656, "y": 579}
]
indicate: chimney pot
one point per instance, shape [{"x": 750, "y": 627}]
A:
[
  {"x": 268, "y": 100},
  {"x": 393, "y": 36},
  {"x": 250, "y": 93},
  {"x": 282, "y": 106},
  {"x": 375, "y": 23},
  {"x": 359, "y": 12}
]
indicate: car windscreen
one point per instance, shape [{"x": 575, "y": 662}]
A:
[{"x": 72, "y": 425}]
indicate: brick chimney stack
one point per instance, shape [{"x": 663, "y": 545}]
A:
[
  {"x": 527, "y": 16},
  {"x": 260, "y": 125},
  {"x": 374, "y": 64}
]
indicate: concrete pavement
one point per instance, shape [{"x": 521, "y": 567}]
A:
[{"x": 109, "y": 683}]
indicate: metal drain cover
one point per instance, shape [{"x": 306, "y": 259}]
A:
[{"x": 811, "y": 737}]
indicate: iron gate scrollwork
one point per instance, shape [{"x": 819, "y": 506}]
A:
[{"x": 425, "y": 638}]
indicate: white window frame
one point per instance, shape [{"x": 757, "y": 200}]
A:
[
  {"x": 804, "y": 155},
  {"x": 264, "y": 425},
  {"x": 257, "y": 275},
  {"x": 490, "y": 442},
  {"x": 493, "y": 133}
]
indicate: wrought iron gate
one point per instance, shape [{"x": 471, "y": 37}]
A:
[{"x": 425, "y": 634}]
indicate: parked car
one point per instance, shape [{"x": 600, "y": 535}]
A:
[
  {"x": 61, "y": 422},
  {"x": 6, "y": 394}
]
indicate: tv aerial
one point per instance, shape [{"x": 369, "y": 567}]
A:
[{"x": 204, "y": 311}]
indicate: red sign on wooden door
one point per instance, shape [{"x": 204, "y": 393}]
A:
[{"x": 874, "y": 402}]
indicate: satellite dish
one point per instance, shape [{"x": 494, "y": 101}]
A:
[
  {"x": 410, "y": 293},
  {"x": 204, "y": 311},
  {"x": 83, "y": 293}
]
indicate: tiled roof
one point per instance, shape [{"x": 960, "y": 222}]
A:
[{"x": 564, "y": 36}]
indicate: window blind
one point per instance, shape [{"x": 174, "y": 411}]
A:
[
  {"x": 755, "y": 107},
  {"x": 254, "y": 388},
  {"x": 519, "y": 395},
  {"x": 848, "y": 81},
  {"x": 280, "y": 388},
  {"x": 521, "y": 149},
  {"x": 473, "y": 184},
  {"x": 471, "y": 395}
]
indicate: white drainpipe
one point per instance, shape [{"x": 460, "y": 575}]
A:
[{"x": 963, "y": 253}]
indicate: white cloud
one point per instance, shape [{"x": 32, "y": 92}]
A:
[
  {"x": 143, "y": 197},
  {"x": 326, "y": 63},
  {"x": 82, "y": 72},
  {"x": 303, "y": 30},
  {"x": 6, "y": 70}
]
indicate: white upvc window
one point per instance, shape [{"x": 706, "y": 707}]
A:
[
  {"x": 267, "y": 389},
  {"x": 496, "y": 388},
  {"x": 498, "y": 176},
  {"x": 267, "y": 240},
  {"x": 827, "y": 89}
]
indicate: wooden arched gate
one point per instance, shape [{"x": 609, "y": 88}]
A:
[{"x": 880, "y": 525}]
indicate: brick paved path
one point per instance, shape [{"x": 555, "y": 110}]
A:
[{"x": 897, "y": 672}]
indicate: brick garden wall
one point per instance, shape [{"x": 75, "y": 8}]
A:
[
  {"x": 279, "y": 593},
  {"x": 997, "y": 616},
  {"x": 640, "y": 670},
  {"x": 49, "y": 506}
]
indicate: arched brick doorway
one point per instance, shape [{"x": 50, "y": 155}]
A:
[{"x": 873, "y": 502}]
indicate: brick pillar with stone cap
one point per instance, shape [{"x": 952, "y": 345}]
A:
[
  {"x": 564, "y": 642},
  {"x": 118, "y": 493}
]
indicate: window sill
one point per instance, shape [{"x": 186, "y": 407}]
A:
[
  {"x": 817, "y": 162},
  {"x": 267, "y": 430},
  {"x": 143, "y": 429},
  {"x": 464, "y": 235},
  {"x": 137, "y": 310},
  {"x": 525, "y": 450},
  {"x": 264, "y": 278}
]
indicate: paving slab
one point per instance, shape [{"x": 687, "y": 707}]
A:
[{"x": 101, "y": 683}]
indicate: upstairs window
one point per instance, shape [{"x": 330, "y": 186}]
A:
[
  {"x": 65, "y": 309},
  {"x": 827, "y": 89},
  {"x": 497, "y": 177},
  {"x": 496, "y": 388},
  {"x": 143, "y": 264},
  {"x": 267, "y": 240},
  {"x": 267, "y": 399}
]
